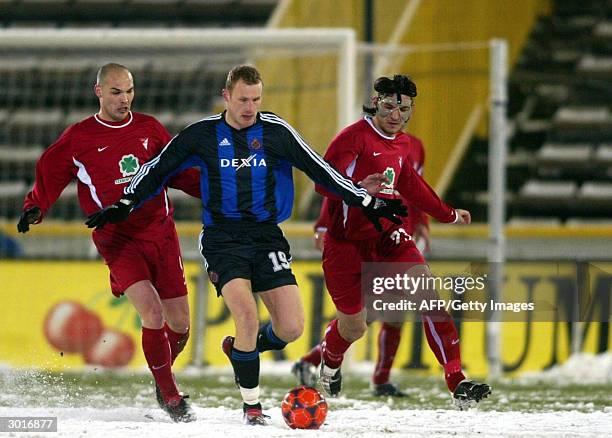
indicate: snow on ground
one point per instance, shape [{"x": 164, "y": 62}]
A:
[
  {"x": 222, "y": 422},
  {"x": 579, "y": 369},
  {"x": 354, "y": 419}
]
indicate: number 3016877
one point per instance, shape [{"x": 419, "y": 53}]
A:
[{"x": 28, "y": 424}]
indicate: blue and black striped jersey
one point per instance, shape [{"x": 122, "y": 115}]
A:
[{"x": 246, "y": 174}]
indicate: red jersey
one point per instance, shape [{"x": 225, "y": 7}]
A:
[
  {"x": 103, "y": 157},
  {"x": 360, "y": 150},
  {"x": 416, "y": 155}
]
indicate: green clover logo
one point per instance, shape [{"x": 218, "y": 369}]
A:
[
  {"x": 390, "y": 174},
  {"x": 129, "y": 165}
]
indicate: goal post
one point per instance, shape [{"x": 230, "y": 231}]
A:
[{"x": 340, "y": 40}]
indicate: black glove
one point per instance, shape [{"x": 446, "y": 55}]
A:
[
  {"x": 387, "y": 208},
  {"x": 117, "y": 212},
  {"x": 30, "y": 216}
]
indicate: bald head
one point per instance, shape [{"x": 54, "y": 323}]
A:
[
  {"x": 108, "y": 69},
  {"x": 115, "y": 90}
]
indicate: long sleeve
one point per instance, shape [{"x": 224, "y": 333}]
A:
[
  {"x": 418, "y": 193},
  {"x": 188, "y": 181},
  {"x": 418, "y": 153},
  {"x": 154, "y": 174},
  {"x": 54, "y": 171},
  {"x": 312, "y": 164},
  {"x": 342, "y": 153}
]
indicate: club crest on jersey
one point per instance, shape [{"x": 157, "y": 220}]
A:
[
  {"x": 128, "y": 165},
  {"x": 239, "y": 163},
  {"x": 388, "y": 187},
  {"x": 214, "y": 277},
  {"x": 255, "y": 144}
]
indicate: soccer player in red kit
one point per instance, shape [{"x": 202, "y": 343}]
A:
[
  {"x": 416, "y": 224},
  {"x": 102, "y": 153},
  {"x": 376, "y": 143}
]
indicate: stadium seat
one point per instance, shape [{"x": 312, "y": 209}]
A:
[
  {"x": 36, "y": 117},
  {"x": 19, "y": 155},
  {"x": 548, "y": 190},
  {"x": 35, "y": 126},
  {"x": 564, "y": 160},
  {"x": 595, "y": 66},
  {"x": 603, "y": 155},
  {"x": 13, "y": 189},
  {"x": 545, "y": 196},
  {"x": 77, "y": 115},
  {"x": 17, "y": 162},
  {"x": 595, "y": 199},
  {"x": 553, "y": 92},
  {"x": 11, "y": 198},
  {"x": 18, "y": 63},
  {"x": 603, "y": 29},
  {"x": 76, "y": 64},
  {"x": 600, "y": 191},
  {"x": 569, "y": 155},
  {"x": 583, "y": 115}
]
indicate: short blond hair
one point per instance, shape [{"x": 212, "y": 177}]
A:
[{"x": 249, "y": 74}]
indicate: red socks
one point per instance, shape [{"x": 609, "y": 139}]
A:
[
  {"x": 388, "y": 341},
  {"x": 334, "y": 346},
  {"x": 159, "y": 358},
  {"x": 313, "y": 356},
  {"x": 443, "y": 340},
  {"x": 177, "y": 341}
]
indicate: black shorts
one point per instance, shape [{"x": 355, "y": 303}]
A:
[{"x": 256, "y": 252}]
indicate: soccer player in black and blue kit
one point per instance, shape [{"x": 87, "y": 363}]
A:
[{"x": 246, "y": 159}]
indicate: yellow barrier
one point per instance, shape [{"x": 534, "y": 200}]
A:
[
  {"x": 32, "y": 289},
  {"x": 294, "y": 229}
]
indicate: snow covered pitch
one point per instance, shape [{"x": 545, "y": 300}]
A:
[{"x": 574, "y": 400}]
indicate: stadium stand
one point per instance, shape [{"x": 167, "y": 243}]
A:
[
  {"x": 135, "y": 13},
  {"x": 559, "y": 148},
  {"x": 40, "y": 96}
]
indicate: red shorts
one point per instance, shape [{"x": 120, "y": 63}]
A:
[
  {"x": 342, "y": 261},
  {"x": 131, "y": 260}
]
